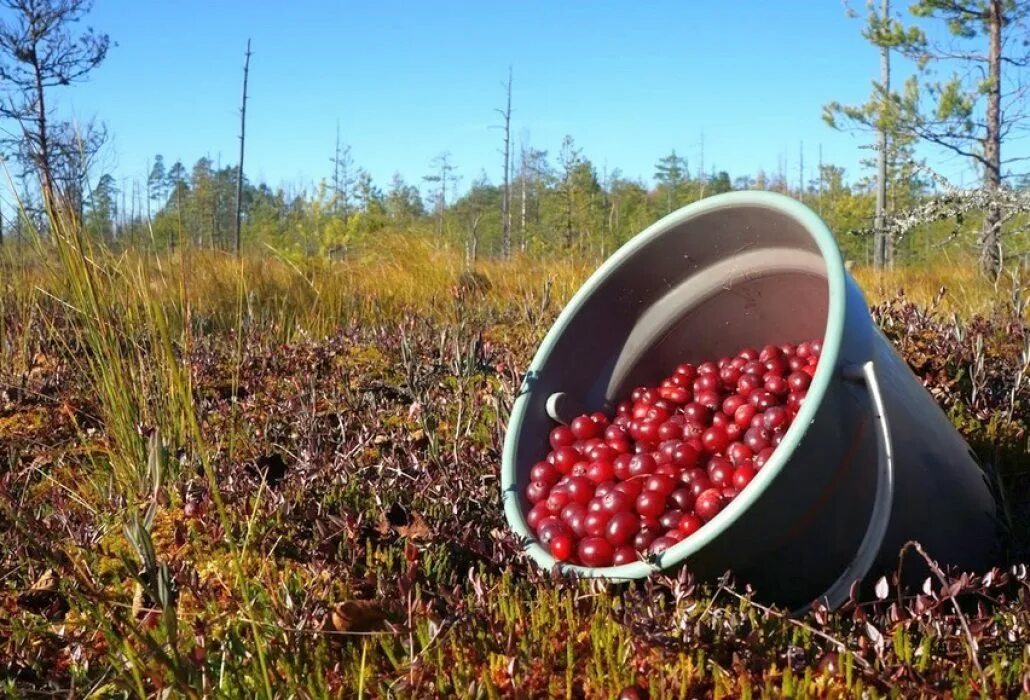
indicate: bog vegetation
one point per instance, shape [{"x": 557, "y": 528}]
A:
[{"x": 275, "y": 473}]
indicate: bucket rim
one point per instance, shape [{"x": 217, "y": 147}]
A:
[{"x": 833, "y": 334}]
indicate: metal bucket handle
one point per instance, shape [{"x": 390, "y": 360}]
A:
[{"x": 868, "y": 550}]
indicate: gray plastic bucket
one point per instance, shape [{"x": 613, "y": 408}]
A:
[{"x": 870, "y": 461}]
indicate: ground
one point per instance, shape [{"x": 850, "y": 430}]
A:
[{"x": 280, "y": 479}]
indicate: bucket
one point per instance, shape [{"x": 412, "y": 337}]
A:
[{"x": 870, "y": 461}]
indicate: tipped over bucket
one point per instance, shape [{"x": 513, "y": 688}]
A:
[{"x": 870, "y": 461}]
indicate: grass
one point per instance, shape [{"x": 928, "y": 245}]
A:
[{"x": 271, "y": 478}]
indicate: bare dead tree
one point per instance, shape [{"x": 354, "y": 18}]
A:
[
  {"x": 38, "y": 52},
  {"x": 506, "y": 195},
  {"x": 243, "y": 134}
]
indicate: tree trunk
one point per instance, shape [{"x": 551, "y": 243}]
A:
[
  {"x": 990, "y": 237},
  {"x": 881, "y": 257},
  {"x": 243, "y": 133},
  {"x": 506, "y": 200},
  {"x": 46, "y": 179},
  {"x": 522, "y": 213}
]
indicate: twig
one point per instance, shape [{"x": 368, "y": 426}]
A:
[
  {"x": 973, "y": 646},
  {"x": 841, "y": 646}
]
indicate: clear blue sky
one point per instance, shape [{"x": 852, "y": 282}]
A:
[{"x": 407, "y": 80}]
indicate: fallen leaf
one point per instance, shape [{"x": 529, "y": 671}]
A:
[
  {"x": 361, "y": 616},
  {"x": 44, "y": 598}
]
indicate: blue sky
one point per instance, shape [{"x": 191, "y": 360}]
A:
[{"x": 408, "y": 80}]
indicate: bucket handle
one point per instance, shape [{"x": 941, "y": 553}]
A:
[{"x": 858, "y": 569}]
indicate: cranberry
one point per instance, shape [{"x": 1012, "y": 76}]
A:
[
  {"x": 775, "y": 366},
  {"x": 731, "y": 403},
  {"x": 603, "y": 453},
  {"x": 774, "y": 418},
  {"x": 595, "y": 551},
  {"x": 620, "y": 465},
  {"x": 565, "y": 458},
  {"x": 631, "y": 488},
  {"x": 581, "y": 489},
  {"x": 762, "y": 399},
  {"x": 675, "y": 394},
  {"x": 641, "y": 464},
  {"x": 683, "y": 499},
  {"x": 720, "y": 471},
  {"x": 561, "y": 547},
  {"x": 598, "y": 472},
  {"x": 715, "y": 440},
  {"x": 743, "y": 476},
  {"x": 624, "y": 555},
  {"x": 788, "y": 349},
  {"x": 644, "y": 538},
  {"x": 729, "y": 375},
  {"x": 562, "y": 436},
  {"x": 537, "y": 491},
  {"x": 699, "y": 485},
  {"x": 762, "y": 457},
  {"x": 748, "y": 354},
  {"x": 686, "y": 370},
  {"x": 670, "y": 431},
  {"x": 707, "y": 382},
  {"x": 708, "y": 367},
  {"x": 709, "y": 399},
  {"x": 689, "y": 524},
  {"x": 720, "y": 420},
  {"x": 574, "y": 515},
  {"x": 685, "y": 456},
  {"x": 738, "y": 452},
  {"x": 670, "y": 519},
  {"x": 536, "y": 514},
  {"x": 549, "y": 528},
  {"x": 660, "y": 483},
  {"x": 757, "y": 439},
  {"x": 647, "y": 431},
  {"x": 558, "y": 499},
  {"x": 743, "y": 415},
  {"x": 708, "y": 504},
  {"x": 621, "y": 528},
  {"x": 747, "y": 384},
  {"x": 595, "y": 523},
  {"x": 651, "y": 503},
  {"x": 545, "y": 472},
  {"x": 776, "y": 385},
  {"x": 617, "y": 501},
  {"x": 798, "y": 381}
]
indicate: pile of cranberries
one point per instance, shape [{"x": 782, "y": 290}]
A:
[{"x": 612, "y": 489}]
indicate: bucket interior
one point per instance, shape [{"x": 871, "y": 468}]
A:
[{"x": 695, "y": 290}]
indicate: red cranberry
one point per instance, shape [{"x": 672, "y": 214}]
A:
[
  {"x": 715, "y": 440},
  {"x": 562, "y": 436},
  {"x": 561, "y": 547},
  {"x": 537, "y": 491},
  {"x": 624, "y": 555},
  {"x": 689, "y": 524},
  {"x": 708, "y": 504},
  {"x": 651, "y": 503},
  {"x": 595, "y": 551},
  {"x": 545, "y": 472},
  {"x": 622, "y": 528}
]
